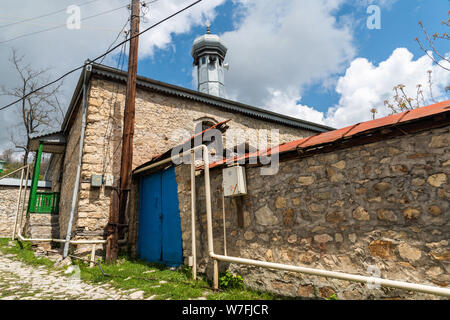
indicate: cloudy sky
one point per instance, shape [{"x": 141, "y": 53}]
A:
[{"x": 313, "y": 59}]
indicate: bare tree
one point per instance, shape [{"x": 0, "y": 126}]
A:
[
  {"x": 401, "y": 101},
  {"x": 432, "y": 47},
  {"x": 7, "y": 155},
  {"x": 39, "y": 111}
]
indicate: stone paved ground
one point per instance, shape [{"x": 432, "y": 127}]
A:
[{"x": 26, "y": 282}]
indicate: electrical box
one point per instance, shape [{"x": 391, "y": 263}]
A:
[
  {"x": 96, "y": 181},
  {"x": 234, "y": 181},
  {"x": 109, "y": 180}
]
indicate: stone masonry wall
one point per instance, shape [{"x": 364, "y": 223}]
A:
[
  {"x": 8, "y": 205},
  {"x": 69, "y": 169},
  {"x": 157, "y": 117},
  {"x": 384, "y": 204}
]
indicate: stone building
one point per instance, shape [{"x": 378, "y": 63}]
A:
[
  {"x": 165, "y": 115},
  {"x": 9, "y": 193},
  {"x": 372, "y": 194}
]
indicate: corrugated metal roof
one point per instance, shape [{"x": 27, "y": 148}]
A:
[
  {"x": 46, "y": 135},
  {"x": 209, "y": 99},
  {"x": 188, "y": 144},
  {"x": 349, "y": 132},
  {"x": 13, "y": 182}
]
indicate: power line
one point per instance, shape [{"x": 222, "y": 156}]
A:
[
  {"x": 118, "y": 35},
  {"x": 61, "y": 25},
  {"x": 46, "y": 15},
  {"x": 102, "y": 55},
  {"x": 57, "y": 25}
]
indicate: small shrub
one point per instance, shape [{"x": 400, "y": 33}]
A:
[
  {"x": 231, "y": 281},
  {"x": 332, "y": 297}
]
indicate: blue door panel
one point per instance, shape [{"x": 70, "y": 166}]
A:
[
  {"x": 171, "y": 227},
  {"x": 150, "y": 211},
  {"x": 159, "y": 236}
]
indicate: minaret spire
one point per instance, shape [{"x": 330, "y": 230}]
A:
[{"x": 209, "y": 53}]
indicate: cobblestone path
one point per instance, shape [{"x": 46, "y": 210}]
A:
[{"x": 19, "y": 281}]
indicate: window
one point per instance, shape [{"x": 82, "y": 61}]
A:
[
  {"x": 204, "y": 124},
  {"x": 203, "y": 60}
]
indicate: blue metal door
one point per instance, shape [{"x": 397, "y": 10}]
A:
[{"x": 159, "y": 237}]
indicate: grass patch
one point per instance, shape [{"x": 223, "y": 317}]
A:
[{"x": 24, "y": 252}]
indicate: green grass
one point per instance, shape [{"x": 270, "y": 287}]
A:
[
  {"x": 24, "y": 253},
  {"x": 138, "y": 275},
  {"x": 131, "y": 274}
]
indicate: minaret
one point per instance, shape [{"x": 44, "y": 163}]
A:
[{"x": 209, "y": 53}]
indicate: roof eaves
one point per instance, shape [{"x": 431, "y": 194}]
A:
[
  {"x": 212, "y": 100},
  {"x": 352, "y": 131}
]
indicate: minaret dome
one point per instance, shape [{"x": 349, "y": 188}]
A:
[{"x": 209, "y": 53}]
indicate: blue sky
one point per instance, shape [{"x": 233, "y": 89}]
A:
[{"x": 399, "y": 28}]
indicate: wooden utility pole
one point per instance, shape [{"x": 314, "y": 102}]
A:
[{"x": 117, "y": 210}]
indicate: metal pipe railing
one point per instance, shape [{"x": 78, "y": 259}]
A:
[
  {"x": 18, "y": 201},
  {"x": 11, "y": 173}
]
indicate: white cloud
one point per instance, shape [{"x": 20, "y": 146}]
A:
[
  {"x": 365, "y": 85},
  {"x": 280, "y": 46},
  {"x": 287, "y": 103},
  {"x": 64, "y": 49}
]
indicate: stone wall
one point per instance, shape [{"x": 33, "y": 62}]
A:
[
  {"x": 69, "y": 169},
  {"x": 384, "y": 204},
  {"x": 8, "y": 203},
  {"x": 158, "y": 116},
  {"x": 8, "y": 206}
]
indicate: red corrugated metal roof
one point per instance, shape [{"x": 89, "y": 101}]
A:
[{"x": 350, "y": 131}]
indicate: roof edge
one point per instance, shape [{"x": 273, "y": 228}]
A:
[{"x": 248, "y": 110}]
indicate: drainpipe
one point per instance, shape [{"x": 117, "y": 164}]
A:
[
  {"x": 87, "y": 69},
  {"x": 193, "y": 209}
]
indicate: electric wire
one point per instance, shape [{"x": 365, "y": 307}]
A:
[
  {"x": 102, "y": 55},
  {"x": 106, "y": 160},
  {"x": 46, "y": 15},
  {"x": 60, "y": 26}
]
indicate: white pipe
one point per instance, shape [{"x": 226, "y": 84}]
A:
[
  {"x": 318, "y": 272},
  {"x": 22, "y": 238},
  {"x": 338, "y": 275},
  {"x": 24, "y": 197},
  {"x": 193, "y": 211},
  {"x": 224, "y": 225},
  {"x": 91, "y": 265},
  {"x": 78, "y": 173},
  {"x": 11, "y": 173},
  {"x": 18, "y": 204}
]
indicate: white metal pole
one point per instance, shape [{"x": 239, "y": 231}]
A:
[
  {"x": 339, "y": 275},
  {"x": 224, "y": 224},
  {"x": 193, "y": 215},
  {"x": 18, "y": 205},
  {"x": 24, "y": 198}
]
